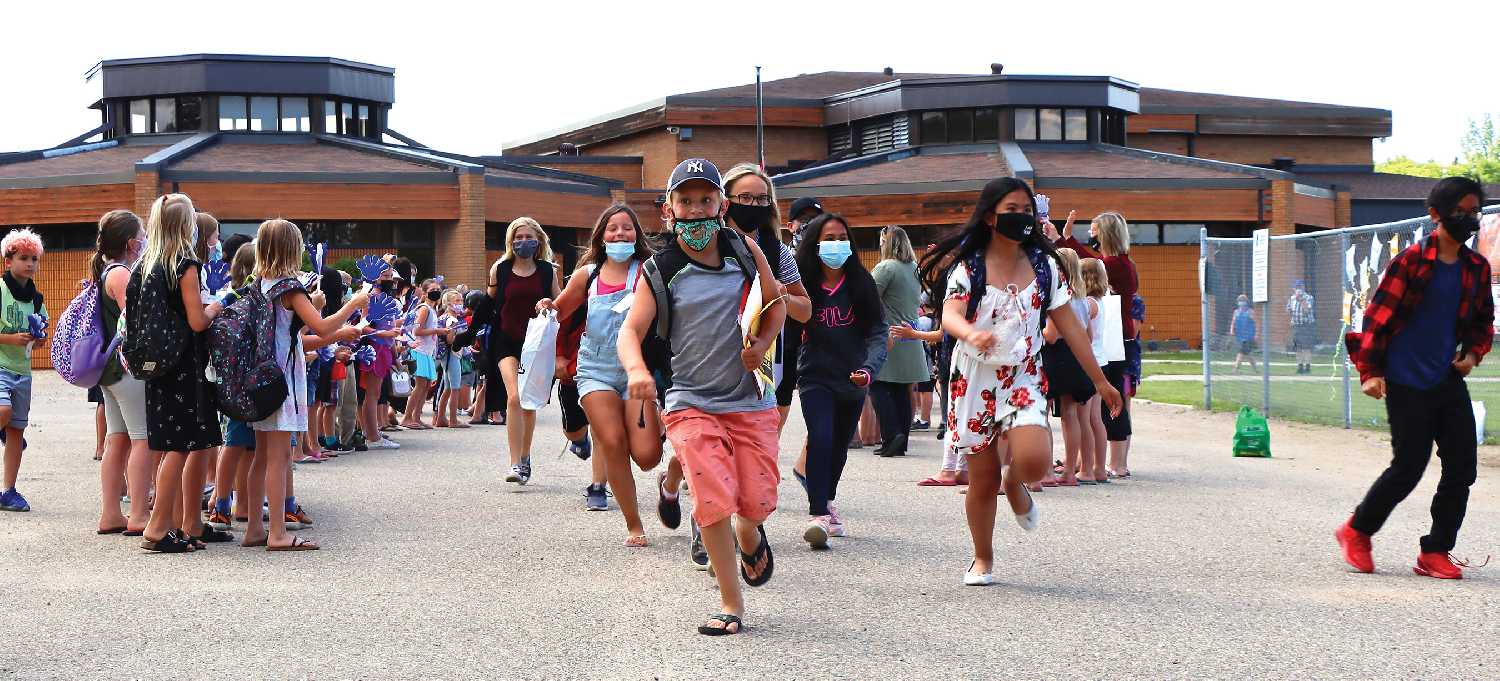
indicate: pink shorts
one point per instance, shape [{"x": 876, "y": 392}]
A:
[{"x": 729, "y": 461}]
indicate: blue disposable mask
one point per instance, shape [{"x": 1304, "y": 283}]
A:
[
  {"x": 619, "y": 251},
  {"x": 216, "y": 252},
  {"x": 525, "y": 248},
  {"x": 834, "y": 253}
]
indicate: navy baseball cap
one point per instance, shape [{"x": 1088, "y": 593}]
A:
[
  {"x": 804, "y": 204},
  {"x": 695, "y": 169}
]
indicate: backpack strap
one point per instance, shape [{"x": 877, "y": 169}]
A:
[{"x": 1043, "y": 280}]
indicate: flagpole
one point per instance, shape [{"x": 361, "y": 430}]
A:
[{"x": 760, "y": 123}]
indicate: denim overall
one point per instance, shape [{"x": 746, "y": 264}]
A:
[{"x": 599, "y": 365}]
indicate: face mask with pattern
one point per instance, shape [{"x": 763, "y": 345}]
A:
[{"x": 696, "y": 233}]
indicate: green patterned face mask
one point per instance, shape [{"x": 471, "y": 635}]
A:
[{"x": 696, "y": 233}]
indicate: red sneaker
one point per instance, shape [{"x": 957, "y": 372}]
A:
[
  {"x": 1439, "y": 566},
  {"x": 1356, "y": 546}
]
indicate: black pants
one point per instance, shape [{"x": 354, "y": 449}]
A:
[
  {"x": 1116, "y": 428},
  {"x": 573, "y": 416},
  {"x": 892, "y": 409},
  {"x": 1418, "y": 418},
  {"x": 495, "y": 397},
  {"x": 831, "y": 421}
]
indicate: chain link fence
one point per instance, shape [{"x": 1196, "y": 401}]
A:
[{"x": 1286, "y": 355}]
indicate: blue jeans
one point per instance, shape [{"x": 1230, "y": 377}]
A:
[{"x": 831, "y": 421}]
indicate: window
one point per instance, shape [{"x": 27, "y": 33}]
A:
[
  {"x": 263, "y": 114},
  {"x": 1025, "y": 125},
  {"x": 1145, "y": 233},
  {"x": 1049, "y": 124},
  {"x": 232, "y": 113},
  {"x": 330, "y": 117},
  {"x": 1076, "y": 124},
  {"x": 365, "y": 129},
  {"x": 165, "y": 119},
  {"x": 189, "y": 114},
  {"x": 840, "y": 142},
  {"x": 1112, "y": 127},
  {"x": 934, "y": 127},
  {"x": 961, "y": 126},
  {"x": 1186, "y": 233},
  {"x": 986, "y": 125},
  {"x": 140, "y": 116},
  {"x": 294, "y": 116},
  {"x": 350, "y": 125}
]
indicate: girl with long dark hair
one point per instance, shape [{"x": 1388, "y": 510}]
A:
[
  {"x": 1005, "y": 278},
  {"x": 842, "y": 351}
]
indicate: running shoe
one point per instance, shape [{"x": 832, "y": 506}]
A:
[
  {"x": 219, "y": 521},
  {"x": 668, "y": 510},
  {"x": 300, "y": 516},
  {"x": 835, "y": 523},
  {"x": 1439, "y": 566},
  {"x": 463, "y": 412},
  {"x": 696, "y": 550},
  {"x": 594, "y": 498},
  {"x": 384, "y": 443},
  {"x": 921, "y": 425},
  {"x": 816, "y": 534},
  {"x": 525, "y": 470},
  {"x": 1356, "y": 547},
  {"x": 11, "y": 500},
  {"x": 582, "y": 448},
  {"x": 515, "y": 474}
]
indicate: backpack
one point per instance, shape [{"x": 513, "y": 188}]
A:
[
  {"x": 659, "y": 270},
  {"x": 248, "y": 379},
  {"x": 978, "y": 273},
  {"x": 79, "y": 351},
  {"x": 156, "y": 336}
]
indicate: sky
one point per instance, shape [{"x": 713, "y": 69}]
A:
[{"x": 472, "y": 76}]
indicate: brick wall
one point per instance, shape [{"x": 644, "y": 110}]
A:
[
  {"x": 147, "y": 188},
  {"x": 1261, "y": 149},
  {"x": 1167, "y": 143},
  {"x": 724, "y": 145},
  {"x": 629, "y": 173},
  {"x": 657, "y": 149},
  {"x": 459, "y": 244}
]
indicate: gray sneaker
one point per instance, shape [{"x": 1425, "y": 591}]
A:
[
  {"x": 698, "y": 553},
  {"x": 525, "y": 470},
  {"x": 595, "y": 498}
]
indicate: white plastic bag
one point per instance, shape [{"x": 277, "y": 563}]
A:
[
  {"x": 1114, "y": 329},
  {"x": 1479, "y": 414},
  {"x": 538, "y": 361}
]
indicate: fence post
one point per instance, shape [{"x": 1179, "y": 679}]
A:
[
  {"x": 1343, "y": 284},
  {"x": 1265, "y": 338},
  {"x": 1208, "y": 368}
]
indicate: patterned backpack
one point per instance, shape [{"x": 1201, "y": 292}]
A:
[
  {"x": 156, "y": 336},
  {"x": 79, "y": 352},
  {"x": 248, "y": 379}
]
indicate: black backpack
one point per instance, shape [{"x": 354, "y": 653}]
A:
[
  {"x": 248, "y": 376},
  {"x": 157, "y": 335},
  {"x": 660, "y": 269}
]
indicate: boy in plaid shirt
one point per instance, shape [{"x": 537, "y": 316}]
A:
[{"x": 1427, "y": 326}]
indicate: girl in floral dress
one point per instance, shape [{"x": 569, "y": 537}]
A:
[{"x": 997, "y": 391}]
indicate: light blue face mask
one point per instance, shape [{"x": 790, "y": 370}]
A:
[
  {"x": 216, "y": 252},
  {"x": 834, "y": 253},
  {"x": 619, "y": 251}
]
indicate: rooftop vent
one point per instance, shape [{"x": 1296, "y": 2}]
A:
[
  {"x": 889, "y": 71},
  {"x": 996, "y": 68},
  {"x": 1283, "y": 163},
  {"x": 567, "y": 149}
]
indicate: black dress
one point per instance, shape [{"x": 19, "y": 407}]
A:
[{"x": 180, "y": 411}]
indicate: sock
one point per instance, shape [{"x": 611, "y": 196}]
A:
[
  {"x": 291, "y": 504},
  {"x": 221, "y": 506}
]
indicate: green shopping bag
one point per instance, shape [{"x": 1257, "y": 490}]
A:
[{"x": 1252, "y": 436}]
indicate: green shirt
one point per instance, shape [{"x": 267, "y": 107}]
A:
[
  {"x": 14, "y": 316},
  {"x": 900, "y": 293}
]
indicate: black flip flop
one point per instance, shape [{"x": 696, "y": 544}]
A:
[
  {"x": 727, "y": 619},
  {"x": 133, "y": 533},
  {"x": 668, "y": 510},
  {"x": 169, "y": 543},
  {"x": 754, "y": 558},
  {"x": 212, "y": 535}
]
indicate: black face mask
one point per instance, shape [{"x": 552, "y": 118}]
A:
[
  {"x": 1014, "y": 226},
  {"x": 434, "y": 295},
  {"x": 749, "y": 218},
  {"x": 1460, "y": 227}
]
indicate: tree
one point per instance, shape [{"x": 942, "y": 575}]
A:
[{"x": 1479, "y": 156}]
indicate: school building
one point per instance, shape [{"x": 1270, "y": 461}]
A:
[{"x": 307, "y": 138}]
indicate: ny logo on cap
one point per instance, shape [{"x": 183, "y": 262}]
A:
[{"x": 695, "y": 166}]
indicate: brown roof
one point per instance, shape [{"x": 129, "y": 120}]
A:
[
  {"x": 295, "y": 158},
  {"x": 922, "y": 168},
  {"x": 1157, "y": 100},
  {"x": 1384, "y": 185},
  {"x": 114, "y": 159},
  {"x": 518, "y": 175},
  {"x": 1094, "y": 163},
  {"x": 812, "y": 85}
]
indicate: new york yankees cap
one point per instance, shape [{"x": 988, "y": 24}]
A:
[{"x": 695, "y": 169}]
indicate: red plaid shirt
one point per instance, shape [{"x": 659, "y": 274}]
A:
[{"x": 1400, "y": 292}]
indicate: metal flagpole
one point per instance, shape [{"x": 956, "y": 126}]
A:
[{"x": 760, "y": 124}]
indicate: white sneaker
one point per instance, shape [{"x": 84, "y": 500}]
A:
[
  {"x": 1028, "y": 520},
  {"x": 816, "y": 534},
  {"x": 386, "y": 443},
  {"x": 976, "y": 579}
]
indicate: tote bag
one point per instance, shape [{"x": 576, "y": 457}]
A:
[
  {"x": 1114, "y": 328},
  {"x": 538, "y": 361}
]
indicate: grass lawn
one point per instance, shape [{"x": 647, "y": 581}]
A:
[{"x": 1309, "y": 402}]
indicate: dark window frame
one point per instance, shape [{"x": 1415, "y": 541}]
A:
[{"x": 1036, "y": 123}]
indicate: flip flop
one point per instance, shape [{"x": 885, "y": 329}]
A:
[
  {"x": 753, "y": 558},
  {"x": 112, "y": 530},
  {"x": 298, "y": 544},
  {"x": 636, "y": 542},
  {"x": 727, "y": 619},
  {"x": 133, "y": 533},
  {"x": 1073, "y": 483},
  {"x": 936, "y": 482}
]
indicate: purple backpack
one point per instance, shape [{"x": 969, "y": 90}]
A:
[{"x": 79, "y": 351}]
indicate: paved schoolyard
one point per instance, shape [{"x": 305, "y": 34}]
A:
[{"x": 433, "y": 567}]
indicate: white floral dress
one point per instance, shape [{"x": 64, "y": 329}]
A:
[{"x": 991, "y": 394}]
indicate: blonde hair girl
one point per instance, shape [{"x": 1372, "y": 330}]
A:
[
  {"x": 1095, "y": 279},
  {"x": 171, "y": 233},
  {"x": 896, "y": 245},
  {"x": 544, "y": 249},
  {"x": 278, "y": 254},
  {"x": 523, "y": 275},
  {"x": 1069, "y": 259}
]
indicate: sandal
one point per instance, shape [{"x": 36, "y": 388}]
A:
[
  {"x": 636, "y": 541},
  {"x": 112, "y": 530},
  {"x": 936, "y": 482},
  {"x": 752, "y": 559},
  {"x": 212, "y": 535},
  {"x": 169, "y": 543},
  {"x": 727, "y": 619},
  {"x": 298, "y": 544}
]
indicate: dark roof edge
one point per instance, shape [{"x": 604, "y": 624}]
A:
[
  {"x": 38, "y": 154},
  {"x": 549, "y": 173},
  {"x": 831, "y": 191},
  {"x": 426, "y": 157},
  {"x": 544, "y": 185},
  {"x": 162, "y": 158},
  {"x": 309, "y": 177},
  {"x": 1225, "y": 166},
  {"x": 566, "y": 160},
  {"x": 179, "y": 58},
  {"x": 79, "y": 180},
  {"x": 1151, "y": 183},
  {"x": 1323, "y": 111},
  {"x": 695, "y": 100},
  {"x": 841, "y": 166},
  {"x": 404, "y": 139}
]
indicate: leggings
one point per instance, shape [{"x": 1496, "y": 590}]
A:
[
  {"x": 831, "y": 421},
  {"x": 1116, "y": 428},
  {"x": 892, "y": 409}
]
